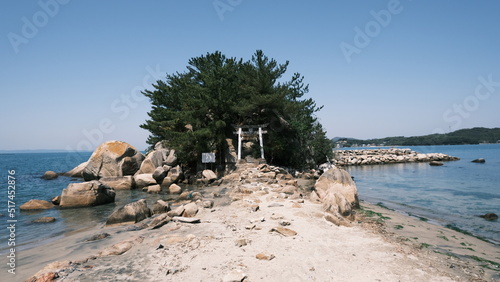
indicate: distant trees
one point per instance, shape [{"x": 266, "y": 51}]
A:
[
  {"x": 474, "y": 135},
  {"x": 195, "y": 110}
]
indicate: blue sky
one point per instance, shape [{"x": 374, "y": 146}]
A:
[{"x": 72, "y": 70}]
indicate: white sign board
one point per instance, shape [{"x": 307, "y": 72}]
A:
[{"x": 208, "y": 158}]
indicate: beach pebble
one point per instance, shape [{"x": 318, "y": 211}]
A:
[{"x": 262, "y": 256}]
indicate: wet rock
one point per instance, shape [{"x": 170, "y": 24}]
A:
[
  {"x": 49, "y": 175},
  {"x": 489, "y": 216},
  {"x": 97, "y": 237},
  {"x": 86, "y": 194},
  {"x": 481, "y": 160},
  {"x": 130, "y": 213},
  {"x": 56, "y": 200},
  {"x": 36, "y": 205},
  {"x": 435, "y": 163},
  {"x": 45, "y": 219}
]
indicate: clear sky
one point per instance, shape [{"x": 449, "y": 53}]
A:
[{"x": 71, "y": 70}]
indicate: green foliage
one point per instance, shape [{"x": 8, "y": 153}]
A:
[
  {"x": 460, "y": 137},
  {"x": 194, "y": 111}
]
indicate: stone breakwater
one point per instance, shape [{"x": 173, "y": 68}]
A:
[{"x": 386, "y": 156}]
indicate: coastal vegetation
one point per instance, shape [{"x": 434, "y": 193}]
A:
[
  {"x": 196, "y": 111},
  {"x": 476, "y": 135}
]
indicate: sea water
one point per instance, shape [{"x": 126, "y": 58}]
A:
[
  {"x": 29, "y": 167},
  {"x": 454, "y": 194}
]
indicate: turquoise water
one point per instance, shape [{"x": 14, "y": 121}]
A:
[
  {"x": 455, "y": 193},
  {"x": 452, "y": 194}
]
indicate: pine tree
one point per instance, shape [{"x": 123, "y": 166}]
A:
[{"x": 195, "y": 111}]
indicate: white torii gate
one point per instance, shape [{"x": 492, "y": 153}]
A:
[{"x": 250, "y": 132}]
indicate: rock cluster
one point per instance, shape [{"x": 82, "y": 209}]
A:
[{"x": 386, "y": 156}]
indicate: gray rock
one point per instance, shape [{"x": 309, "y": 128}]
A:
[
  {"x": 435, "y": 163},
  {"x": 77, "y": 171},
  {"x": 171, "y": 159},
  {"x": 86, "y": 194},
  {"x": 175, "y": 173},
  {"x": 155, "y": 189},
  {"x": 110, "y": 159},
  {"x": 174, "y": 189},
  {"x": 144, "y": 180},
  {"x": 159, "y": 174},
  {"x": 130, "y": 213},
  {"x": 160, "y": 206},
  {"x": 190, "y": 210},
  {"x": 481, "y": 160}
]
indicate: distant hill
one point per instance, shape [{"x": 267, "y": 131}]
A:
[{"x": 474, "y": 135}]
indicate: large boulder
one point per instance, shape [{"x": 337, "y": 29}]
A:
[
  {"x": 144, "y": 180},
  {"x": 155, "y": 158},
  {"x": 336, "y": 189},
  {"x": 36, "y": 205},
  {"x": 130, "y": 213},
  {"x": 112, "y": 158},
  {"x": 159, "y": 174},
  {"x": 175, "y": 174},
  {"x": 77, "y": 171},
  {"x": 119, "y": 182},
  {"x": 86, "y": 194}
]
